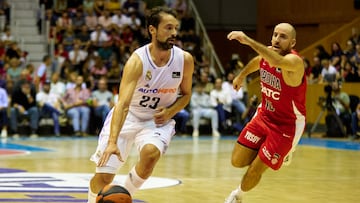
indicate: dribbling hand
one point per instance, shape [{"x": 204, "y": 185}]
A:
[
  {"x": 161, "y": 116},
  {"x": 110, "y": 149}
]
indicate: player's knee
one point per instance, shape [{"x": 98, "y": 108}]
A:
[
  {"x": 150, "y": 153},
  {"x": 238, "y": 163}
]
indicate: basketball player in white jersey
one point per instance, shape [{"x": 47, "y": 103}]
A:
[{"x": 153, "y": 77}]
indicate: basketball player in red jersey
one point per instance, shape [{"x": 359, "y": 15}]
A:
[{"x": 271, "y": 136}]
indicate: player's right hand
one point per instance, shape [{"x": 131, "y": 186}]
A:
[
  {"x": 238, "y": 82},
  {"x": 112, "y": 148}
]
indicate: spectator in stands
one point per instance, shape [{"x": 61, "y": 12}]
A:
[
  {"x": 120, "y": 19},
  {"x": 135, "y": 25},
  {"x": 77, "y": 57},
  {"x": 127, "y": 36},
  {"x": 13, "y": 52},
  {"x": 98, "y": 70},
  {"x": 350, "y": 72},
  {"x": 335, "y": 55},
  {"x": 203, "y": 107},
  {"x": 4, "y": 103},
  {"x": 314, "y": 77},
  {"x": 222, "y": 98},
  {"x": 355, "y": 118},
  {"x": 7, "y": 37},
  {"x": 68, "y": 38},
  {"x": 91, "y": 19},
  {"x": 60, "y": 55},
  {"x": 29, "y": 72},
  {"x": 57, "y": 87},
  {"x": 237, "y": 103},
  {"x": 102, "y": 99},
  {"x": 329, "y": 73},
  {"x": 105, "y": 21},
  {"x": 356, "y": 57},
  {"x": 63, "y": 22},
  {"x": 76, "y": 106},
  {"x": 84, "y": 37},
  {"x": 206, "y": 83},
  {"x": 321, "y": 52},
  {"x": 115, "y": 70},
  {"x": 23, "y": 104},
  {"x": 49, "y": 105},
  {"x": 341, "y": 104},
  {"x": 99, "y": 37},
  {"x": 78, "y": 21},
  {"x": 181, "y": 118},
  {"x": 43, "y": 72},
  {"x": 13, "y": 69},
  {"x": 71, "y": 81},
  {"x": 349, "y": 50}
]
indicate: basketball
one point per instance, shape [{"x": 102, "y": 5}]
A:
[{"x": 113, "y": 194}]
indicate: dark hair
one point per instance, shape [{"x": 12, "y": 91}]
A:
[
  {"x": 45, "y": 58},
  {"x": 154, "y": 17}
]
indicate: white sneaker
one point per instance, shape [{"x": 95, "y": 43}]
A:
[
  {"x": 215, "y": 133},
  {"x": 4, "y": 134},
  {"x": 195, "y": 133},
  {"x": 234, "y": 197},
  {"x": 287, "y": 159}
]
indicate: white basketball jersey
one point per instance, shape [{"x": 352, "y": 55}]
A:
[{"x": 158, "y": 86}]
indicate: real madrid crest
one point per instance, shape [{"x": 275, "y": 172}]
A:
[{"x": 148, "y": 75}]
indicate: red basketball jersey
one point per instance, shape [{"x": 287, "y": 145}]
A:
[{"x": 281, "y": 104}]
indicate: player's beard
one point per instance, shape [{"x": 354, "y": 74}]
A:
[{"x": 165, "y": 45}]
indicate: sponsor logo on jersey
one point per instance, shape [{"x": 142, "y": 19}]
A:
[
  {"x": 270, "y": 79},
  {"x": 158, "y": 90},
  {"x": 275, "y": 95},
  {"x": 148, "y": 76},
  {"x": 175, "y": 74}
]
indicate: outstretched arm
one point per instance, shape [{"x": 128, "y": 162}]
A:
[{"x": 292, "y": 64}]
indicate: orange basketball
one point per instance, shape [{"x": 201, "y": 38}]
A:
[{"x": 113, "y": 194}]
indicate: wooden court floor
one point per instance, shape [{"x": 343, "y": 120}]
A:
[{"x": 321, "y": 171}]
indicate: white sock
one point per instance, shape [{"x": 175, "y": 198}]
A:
[
  {"x": 240, "y": 191},
  {"x": 133, "y": 181},
  {"x": 91, "y": 196}
]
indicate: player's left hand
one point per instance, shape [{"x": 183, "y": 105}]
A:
[{"x": 161, "y": 116}]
